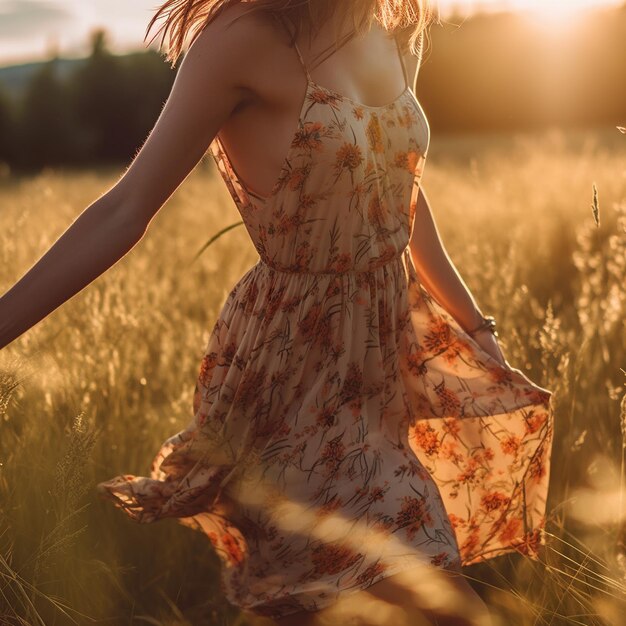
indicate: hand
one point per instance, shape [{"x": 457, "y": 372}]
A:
[{"x": 489, "y": 343}]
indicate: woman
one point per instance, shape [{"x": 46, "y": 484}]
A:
[{"x": 357, "y": 432}]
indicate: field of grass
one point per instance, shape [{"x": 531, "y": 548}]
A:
[{"x": 91, "y": 391}]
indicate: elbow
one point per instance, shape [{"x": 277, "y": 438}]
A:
[
  {"x": 129, "y": 223},
  {"x": 128, "y": 217}
]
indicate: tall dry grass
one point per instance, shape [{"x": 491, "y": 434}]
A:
[{"x": 92, "y": 391}]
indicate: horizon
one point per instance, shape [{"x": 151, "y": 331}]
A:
[{"x": 34, "y": 30}]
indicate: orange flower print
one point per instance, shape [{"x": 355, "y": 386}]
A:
[
  {"x": 367, "y": 576},
  {"x": 332, "y": 559},
  {"x": 510, "y": 530},
  {"x": 323, "y": 96},
  {"x": 374, "y": 135},
  {"x": 448, "y": 400},
  {"x": 274, "y": 300},
  {"x": 378, "y": 493},
  {"x": 470, "y": 544},
  {"x": 494, "y": 500},
  {"x": 228, "y": 354},
  {"x": 537, "y": 468},
  {"x": 230, "y": 544},
  {"x": 450, "y": 451},
  {"x": 401, "y": 160},
  {"x": 349, "y": 157},
  {"x": 307, "y": 325},
  {"x": 407, "y": 161},
  {"x": 407, "y": 118},
  {"x": 510, "y": 444},
  {"x": 413, "y": 515},
  {"x": 386, "y": 254},
  {"x": 425, "y": 436},
  {"x": 352, "y": 386},
  {"x": 324, "y": 333},
  {"x": 326, "y": 417},
  {"x": 468, "y": 475},
  {"x": 332, "y": 455},
  {"x": 357, "y": 112},
  {"x": 309, "y": 136},
  {"x": 285, "y": 225},
  {"x": 376, "y": 211},
  {"x": 416, "y": 363},
  {"x": 534, "y": 421},
  {"x": 247, "y": 392},
  {"x": 207, "y": 365},
  {"x": 456, "y": 521},
  {"x": 531, "y": 542},
  {"x": 297, "y": 178},
  {"x": 340, "y": 263},
  {"x": 451, "y": 426},
  {"x": 303, "y": 256},
  {"x": 329, "y": 507},
  {"x": 499, "y": 374},
  {"x": 439, "y": 336}
]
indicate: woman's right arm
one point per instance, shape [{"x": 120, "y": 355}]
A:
[{"x": 213, "y": 79}]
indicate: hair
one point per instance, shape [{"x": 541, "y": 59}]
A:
[{"x": 408, "y": 19}]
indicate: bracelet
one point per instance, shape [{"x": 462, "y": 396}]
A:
[{"x": 488, "y": 322}]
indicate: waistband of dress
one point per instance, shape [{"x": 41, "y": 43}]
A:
[{"x": 370, "y": 270}]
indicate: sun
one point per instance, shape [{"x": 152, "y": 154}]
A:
[{"x": 555, "y": 13}]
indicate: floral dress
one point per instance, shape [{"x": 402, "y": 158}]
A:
[{"x": 345, "y": 427}]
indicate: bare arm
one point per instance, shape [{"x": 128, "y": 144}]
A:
[
  {"x": 437, "y": 271},
  {"x": 210, "y": 83}
]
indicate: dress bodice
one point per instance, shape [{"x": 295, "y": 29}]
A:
[{"x": 346, "y": 194}]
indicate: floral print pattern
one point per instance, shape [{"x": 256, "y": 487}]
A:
[{"x": 336, "y": 397}]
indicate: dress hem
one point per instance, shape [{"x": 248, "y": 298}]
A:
[{"x": 509, "y": 548}]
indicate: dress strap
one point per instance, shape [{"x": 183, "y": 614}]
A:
[
  {"x": 406, "y": 75},
  {"x": 290, "y": 27},
  {"x": 323, "y": 55},
  {"x": 330, "y": 50},
  {"x": 302, "y": 62}
]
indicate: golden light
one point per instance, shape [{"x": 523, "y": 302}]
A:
[{"x": 556, "y": 13}]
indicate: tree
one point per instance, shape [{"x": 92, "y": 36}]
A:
[
  {"x": 101, "y": 105},
  {"x": 7, "y": 135},
  {"x": 45, "y": 137}
]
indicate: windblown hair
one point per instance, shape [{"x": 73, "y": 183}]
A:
[{"x": 185, "y": 19}]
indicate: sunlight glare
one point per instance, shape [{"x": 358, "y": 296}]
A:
[{"x": 555, "y": 13}]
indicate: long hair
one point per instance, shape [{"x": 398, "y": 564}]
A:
[{"x": 185, "y": 19}]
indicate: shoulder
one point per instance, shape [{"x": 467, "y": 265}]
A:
[{"x": 237, "y": 39}]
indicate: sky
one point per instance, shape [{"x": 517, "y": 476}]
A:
[{"x": 32, "y": 29}]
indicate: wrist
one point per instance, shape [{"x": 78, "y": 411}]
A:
[{"x": 487, "y": 323}]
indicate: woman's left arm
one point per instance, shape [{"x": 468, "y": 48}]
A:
[{"x": 441, "y": 278}]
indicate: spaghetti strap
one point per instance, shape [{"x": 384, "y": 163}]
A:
[
  {"x": 406, "y": 75},
  {"x": 302, "y": 62},
  {"x": 324, "y": 54},
  {"x": 289, "y": 25},
  {"x": 330, "y": 50}
]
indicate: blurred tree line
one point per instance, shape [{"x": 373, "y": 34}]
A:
[
  {"x": 489, "y": 72},
  {"x": 504, "y": 71},
  {"x": 101, "y": 113}
]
